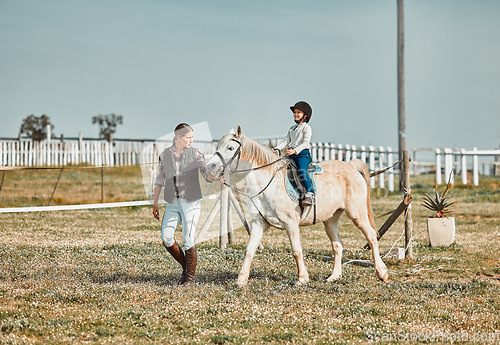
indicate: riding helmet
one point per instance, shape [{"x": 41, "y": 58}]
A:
[{"x": 305, "y": 107}]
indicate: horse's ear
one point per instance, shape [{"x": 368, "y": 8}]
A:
[
  {"x": 238, "y": 132},
  {"x": 232, "y": 131}
]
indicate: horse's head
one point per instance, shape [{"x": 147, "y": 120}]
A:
[{"x": 227, "y": 155}]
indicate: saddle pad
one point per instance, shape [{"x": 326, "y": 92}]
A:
[{"x": 292, "y": 181}]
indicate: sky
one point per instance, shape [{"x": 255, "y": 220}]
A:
[{"x": 229, "y": 62}]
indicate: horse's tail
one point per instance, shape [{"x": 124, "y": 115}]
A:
[{"x": 363, "y": 170}]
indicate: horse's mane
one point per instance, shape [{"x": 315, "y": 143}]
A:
[{"x": 255, "y": 153}]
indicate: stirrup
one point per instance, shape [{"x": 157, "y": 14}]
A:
[{"x": 308, "y": 200}]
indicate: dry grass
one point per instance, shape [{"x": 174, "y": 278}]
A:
[
  {"x": 102, "y": 276},
  {"x": 78, "y": 185}
]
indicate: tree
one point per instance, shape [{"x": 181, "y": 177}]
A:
[
  {"x": 107, "y": 124},
  {"x": 35, "y": 127}
]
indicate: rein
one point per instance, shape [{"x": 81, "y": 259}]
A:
[
  {"x": 251, "y": 197},
  {"x": 375, "y": 173}
]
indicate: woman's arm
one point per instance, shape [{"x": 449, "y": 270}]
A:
[
  {"x": 158, "y": 184},
  {"x": 156, "y": 210}
]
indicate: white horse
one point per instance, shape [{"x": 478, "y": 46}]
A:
[{"x": 341, "y": 187}]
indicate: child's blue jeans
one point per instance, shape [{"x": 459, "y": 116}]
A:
[{"x": 302, "y": 160}]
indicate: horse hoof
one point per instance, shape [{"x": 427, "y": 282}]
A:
[
  {"x": 240, "y": 288},
  {"x": 241, "y": 284},
  {"x": 302, "y": 282},
  {"x": 333, "y": 278},
  {"x": 385, "y": 278}
]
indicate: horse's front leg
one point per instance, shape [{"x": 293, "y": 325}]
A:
[
  {"x": 257, "y": 230},
  {"x": 294, "y": 237}
]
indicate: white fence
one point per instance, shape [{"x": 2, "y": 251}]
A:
[
  {"x": 467, "y": 163},
  {"x": 97, "y": 153},
  {"x": 377, "y": 158}
]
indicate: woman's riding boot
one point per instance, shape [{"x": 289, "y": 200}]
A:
[
  {"x": 176, "y": 251},
  {"x": 191, "y": 261}
]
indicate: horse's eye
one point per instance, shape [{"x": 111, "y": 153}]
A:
[{"x": 230, "y": 148}]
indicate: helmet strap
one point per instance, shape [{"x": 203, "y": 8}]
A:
[{"x": 302, "y": 119}]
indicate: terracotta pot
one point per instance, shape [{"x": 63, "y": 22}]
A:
[{"x": 441, "y": 231}]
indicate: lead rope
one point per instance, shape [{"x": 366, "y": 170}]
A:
[{"x": 375, "y": 173}]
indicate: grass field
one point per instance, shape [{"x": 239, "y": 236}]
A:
[{"x": 102, "y": 276}]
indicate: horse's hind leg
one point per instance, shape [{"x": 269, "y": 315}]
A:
[
  {"x": 363, "y": 223},
  {"x": 332, "y": 230},
  {"x": 294, "y": 237},
  {"x": 257, "y": 230}
]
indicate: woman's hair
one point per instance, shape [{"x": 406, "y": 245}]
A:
[{"x": 182, "y": 129}]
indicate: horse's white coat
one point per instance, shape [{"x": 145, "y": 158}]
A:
[{"x": 341, "y": 187}]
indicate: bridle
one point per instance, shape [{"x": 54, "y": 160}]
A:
[
  {"x": 237, "y": 154},
  {"x": 225, "y": 164}
]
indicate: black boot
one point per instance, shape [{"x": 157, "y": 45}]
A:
[{"x": 176, "y": 251}]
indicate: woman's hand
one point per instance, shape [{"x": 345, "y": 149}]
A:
[
  {"x": 291, "y": 152},
  {"x": 156, "y": 211}
]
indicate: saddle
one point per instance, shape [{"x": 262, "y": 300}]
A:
[{"x": 294, "y": 187}]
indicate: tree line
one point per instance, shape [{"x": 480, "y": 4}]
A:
[{"x": 35, "y": 127}]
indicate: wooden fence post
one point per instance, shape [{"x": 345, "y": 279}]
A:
[{"x": 408, "y": 213}]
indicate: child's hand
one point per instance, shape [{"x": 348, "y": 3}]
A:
[{"x": 291, "y": 152}]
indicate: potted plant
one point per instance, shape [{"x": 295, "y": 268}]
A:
[{"x": 441, "y": 228}]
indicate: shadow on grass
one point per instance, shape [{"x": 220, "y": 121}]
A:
[{"x": 168, "y": 279}]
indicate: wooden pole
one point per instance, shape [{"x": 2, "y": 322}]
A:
[
  {"x": 102, "y": 184},
  {"x": 240, "y": 213},
  {"x": 208, "y": 221},
  {"x": 408, "y": 215},
  {"x": 53, "y": 192},
  {"x": 401, "y": 88},
  {"x": 224, "y": 206},
  {"x": 1, "y": 184},
  {"x": 392, "y": 218},
  {"x": 80, "y": 148},
  {"x": 230, "y": 233}
]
